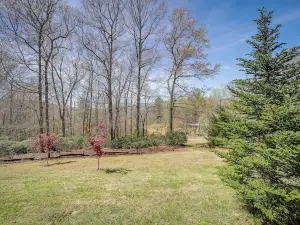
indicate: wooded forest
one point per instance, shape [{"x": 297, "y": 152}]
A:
[{"x": 63, "y": 69}]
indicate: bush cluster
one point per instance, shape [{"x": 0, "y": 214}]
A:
[
  {"x": 137, "y": 142},
  {"x": 174, "y": 138},
  {"x": 9, "y": 147},
  {"x": 71, "y": 143}
]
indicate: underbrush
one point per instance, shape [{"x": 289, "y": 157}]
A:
[
  {"x": 10, "y": 147},
  {"x": 174, "y": 138},
  {"x": 71, "y": 143}
]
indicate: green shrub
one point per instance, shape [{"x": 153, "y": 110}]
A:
[
  {"x": 134, "y": 142},
  {"x": 5, "y": 147},
  {"x": 4, "y": 138},
  {"x": 122, "y": 142},
  {"x": 22, "y": 147},
  {"x": 172, "y": 138},
  {"x": 71, "y": 143},
  {"x": 176, "y": 138}
]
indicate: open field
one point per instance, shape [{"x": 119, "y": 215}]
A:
[{"x": 180, "y": 187}]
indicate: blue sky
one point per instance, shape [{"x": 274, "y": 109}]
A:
[{"x": 230, "y": 24}]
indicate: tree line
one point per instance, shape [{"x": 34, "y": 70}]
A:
[{"x": 96, "y": 62}]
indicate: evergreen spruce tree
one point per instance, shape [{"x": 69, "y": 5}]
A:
[
  {"x": 264, "y": 130},
  {"x": 158, "y": 108},
  {"x": 219, "y": 129}
]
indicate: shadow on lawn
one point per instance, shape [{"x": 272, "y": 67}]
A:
[
  {"x": 60, "y": 163},
  {"x": 117, "y": 170}
]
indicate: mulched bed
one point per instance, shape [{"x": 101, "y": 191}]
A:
[{"x": 85, "y": 153}]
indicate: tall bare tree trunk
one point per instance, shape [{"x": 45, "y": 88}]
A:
[
  {"x": 47, "y": 100},
  {"x": 91, "y": 101},
  {"x": 143, "y": 128},
  {"x": 53, "y": 119},
  {"x": 63, "y": 121},
  {"x": 110, "y": 104},
  {"x": 85, "y": 112},
  {"x": 73, "y": 132},
  {"x": 172, "y": 102},
  {"x": 97, "y": 109},
  {"x": 125, "y": 113},
  {"x": 138, "y": 103},
  {"x": 131, "y": 115},
  {"x": 3, "y": 119},
  {"x": 105, "y": 116},
  {"x": 116, "y": 133},
  {"x": 171, "y": 112},
  {"x": 11, "y": 104},
  {"x": 71, "y": 113},
  {"x": 40, "y": 89}
]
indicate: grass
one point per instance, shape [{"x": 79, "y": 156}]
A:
[
  {"x": 180, "y": 187},
  {"x": 196, "y": 140}
]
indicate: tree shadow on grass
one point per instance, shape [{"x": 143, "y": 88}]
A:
[
  {"x": 117, "y": 170},
  {"x": 60, "y": 163},
  {"x": 188, "y": 145}
]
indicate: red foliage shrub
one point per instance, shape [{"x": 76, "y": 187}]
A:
[
  {"x": 97, "y": 140},
  {"x": 45, "y": 141}
]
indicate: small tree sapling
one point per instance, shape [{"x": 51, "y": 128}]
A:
[
  {"x": 97, "y": 140},
  {"x": 46, "y": 141}
]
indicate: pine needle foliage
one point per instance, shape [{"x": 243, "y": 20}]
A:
[{"x": 261, "y": 128}]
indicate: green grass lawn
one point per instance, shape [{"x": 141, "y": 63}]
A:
[{"x": 180, "y": 187}]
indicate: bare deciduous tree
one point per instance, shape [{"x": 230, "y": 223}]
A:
[
  {"x": 65, "y": 78},
  {"x": 185, "y": 44},
  {"x": 104, "y": 19},
  {"x": 144, "y": 25}
]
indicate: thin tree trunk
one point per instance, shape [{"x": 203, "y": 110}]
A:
[
  {"x": 146, "y": 123},
  {"x": 73, "y": 132},
  {"x": 11, "y": 104},
  {"x": 117, "y": 119},
  {"x": 40, "y": 89},
  {"x": 47, "y": 99},
  {"x": 125, "y": 114},
  {"x": 110, "y": 104},
  {"x": 91, "y": 101},
  {"x": 70, "y": 114},
  {"x": 53, "y": 119},
  {"x": 172, "y": 103},
  {"x": 110, "y": 114},
  {"x": 171, "y": 115},
  {"x": 97, "y": 109},
  {"x": 3, "y": 119},
  {"x": 138, "y": 98},
  {"x": 143, "y": 128},
  {"x": 63, "y": 121},
  {"x": 84, "y": 114},
  {"x": 105, "y": 116},
  {"x": 131, "y": 115}
]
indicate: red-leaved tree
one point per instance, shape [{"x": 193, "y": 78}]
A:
[
  {"x": 45, "y": 141},
  {"x": 96, "y": 141}
]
